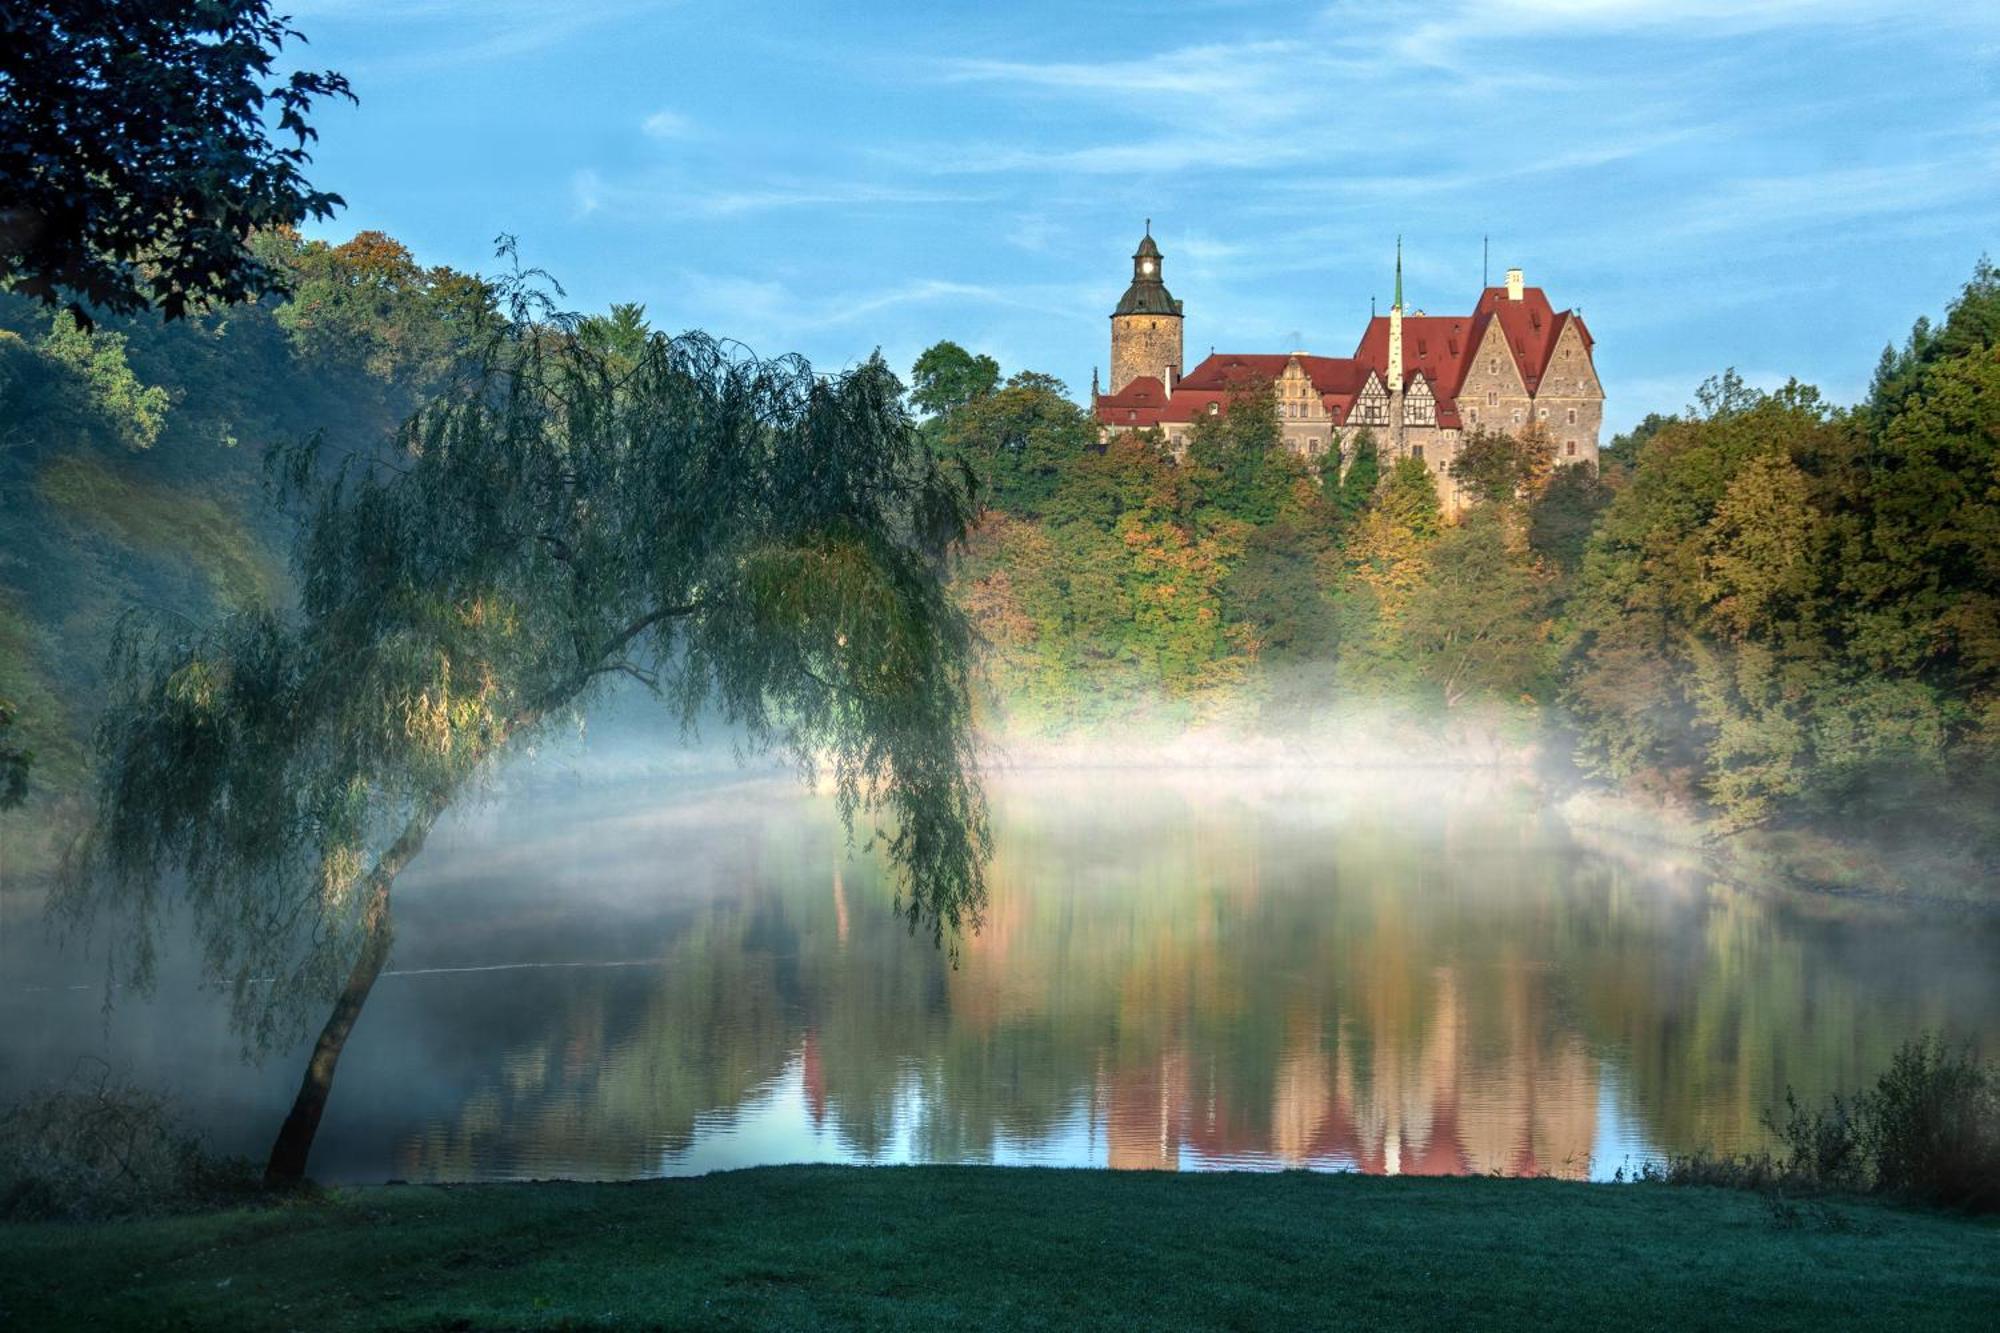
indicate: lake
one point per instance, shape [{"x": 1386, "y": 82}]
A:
[{"x": 1383, "y": 971}]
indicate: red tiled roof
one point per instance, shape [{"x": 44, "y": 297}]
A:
[
  {"x": 1146, "y": 401},
  {"x": 1439, "y": 347},
  {"x": 1532, "y": 327}
]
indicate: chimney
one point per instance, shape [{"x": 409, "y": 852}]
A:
[{"x": 1513, "y": 284}]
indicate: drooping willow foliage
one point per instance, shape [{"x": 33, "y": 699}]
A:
[{"x": 727, "y": 530}]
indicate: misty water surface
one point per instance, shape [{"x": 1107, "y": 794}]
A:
[{"x": 1389, "y": 972}]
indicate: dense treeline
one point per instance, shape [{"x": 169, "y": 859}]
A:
[
  {"x": 131, "y": 456},
  {"x": 1766, "y": 605}
]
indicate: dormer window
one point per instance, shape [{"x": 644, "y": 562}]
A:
[{"x": 1215, "y": 409}]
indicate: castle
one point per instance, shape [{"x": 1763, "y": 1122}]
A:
[{"x": 1416, "y": 382}]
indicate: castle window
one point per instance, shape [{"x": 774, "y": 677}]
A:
[
  {"x": 1493, "y": 398},
  {"x": 1517, "y": 416},
  {"x": 1472, "y": 415},
  {"x": 1542, "y": 414},
  {"x": 1132, "y": 415},
  {"x": 1214, "y": 409},
  {"x": 1417, "y": 452},
  {"x": 1312, "y": 444},
  {"x": 1572, "y": 416},
  {"x": 1570, "y": 449}
]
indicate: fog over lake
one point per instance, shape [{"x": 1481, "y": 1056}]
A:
[{"x": 1417, "y": 971}]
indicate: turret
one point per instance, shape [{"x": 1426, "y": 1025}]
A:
[
  {"x": 1396, "y": 327},
  {"x": 1146, "y": 325}
]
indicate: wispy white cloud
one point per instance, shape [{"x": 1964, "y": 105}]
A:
[
  {"x": 430, "y": 35},
  {"x": 665, "y": 124},
  {"x": 652, "y": 197}
]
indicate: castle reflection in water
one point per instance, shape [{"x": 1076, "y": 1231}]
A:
[{"x": 1221, "y": 977}]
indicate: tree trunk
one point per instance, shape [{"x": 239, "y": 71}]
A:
[{"x": 287, "y": 1165}]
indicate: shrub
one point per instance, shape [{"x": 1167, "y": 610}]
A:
[
  {"x": 107, "y": 1149},
  {"x": 1931, "y": 1127},
  {"x": 1928, "y": 1132}
]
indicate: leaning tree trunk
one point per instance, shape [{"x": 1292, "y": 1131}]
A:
[{"x": 295, "y": 1138}]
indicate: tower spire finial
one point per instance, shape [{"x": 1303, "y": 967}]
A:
[
  {"x": 1149, "y": 226},
  {"x": 1399, "y": 272}
]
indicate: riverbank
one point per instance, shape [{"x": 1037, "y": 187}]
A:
[
  {"x": 1794, "y": 860},
  {"x": 1017, "y": 1247}
]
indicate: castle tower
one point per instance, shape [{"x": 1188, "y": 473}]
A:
[{"x": 1146, "y": 326}]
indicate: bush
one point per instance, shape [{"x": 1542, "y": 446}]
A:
[
  {"x": 1931, "y": 1127},
  {"x": 107, "y": 1149},
  {"x": 1928, "y": 1132}
]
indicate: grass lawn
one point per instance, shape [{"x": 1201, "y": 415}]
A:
[{"x": 1012, "y": 1248}]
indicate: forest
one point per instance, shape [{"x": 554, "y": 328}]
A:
[{"x": 1768, "y": 608}]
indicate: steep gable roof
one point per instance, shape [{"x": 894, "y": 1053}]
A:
[{"x": 1437, "y": 345}]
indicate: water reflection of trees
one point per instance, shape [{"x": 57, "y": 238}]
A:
[{"x": 1224, "y": 981}]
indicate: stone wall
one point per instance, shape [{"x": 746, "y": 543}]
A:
[
  {"x": 1143, "y": 345},
  {"x": 1494, "y": 396},
  {"x": 1573, "y": 400}
]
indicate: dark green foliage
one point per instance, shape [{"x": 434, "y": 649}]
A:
[
  {"x": 946, "y": 377},
  {"x": 1563, "y": 516},
  {"x": 1364, "y": 474},
  {"x": 15, "y": 761},
  {"x": 1790, "y": 612},
  {"x": 1017, "y": 442},
  {"x": 1971, "y": 325},
  {"x": 1478, "y": 627},
  {"x": 1497, "y": 467},
  {"x": 1277, "y": 589},
  {"x": 136, "y": 157},
  {"x": 1238, "y": 467}
]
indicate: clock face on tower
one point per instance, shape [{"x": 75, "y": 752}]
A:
[{"x": 1146, "y": 267}]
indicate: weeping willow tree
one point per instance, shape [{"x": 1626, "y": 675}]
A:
[{"x": 726, "y": 531}]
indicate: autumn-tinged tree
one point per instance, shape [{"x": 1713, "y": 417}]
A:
[
  {"x": 712, "y": 528},
  {"x": 137, "y": 154},
  {"x": 367, "y": 303},
  {"x": 1498, "y": 467},
  {"x": 1479, "y": 625},
  {"x": 1387, "y": 565}
]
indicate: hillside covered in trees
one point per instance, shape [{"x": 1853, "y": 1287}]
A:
[{"x": 1768, "y": 608}]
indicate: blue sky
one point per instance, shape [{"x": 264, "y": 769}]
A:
[{"x": 1779, "y": 187}]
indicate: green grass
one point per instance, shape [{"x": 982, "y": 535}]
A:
[{"x": 979, "y": 1247}]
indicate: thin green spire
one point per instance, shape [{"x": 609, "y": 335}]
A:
[{"x": 1399, "y": 274}]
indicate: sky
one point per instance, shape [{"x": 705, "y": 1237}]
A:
[{"x": 1779, "y": 187}]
